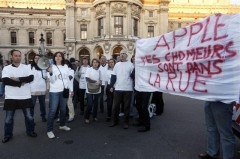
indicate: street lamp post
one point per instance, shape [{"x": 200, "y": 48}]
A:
[{"x": 41, "y": 48}]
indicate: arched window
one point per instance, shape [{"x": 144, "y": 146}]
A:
[
  {"x": 116, "y": 52},
  {"x": 30, "y": 57},
  {"x": 99, "y": 52},
  {"x": 84, "y": 53}
]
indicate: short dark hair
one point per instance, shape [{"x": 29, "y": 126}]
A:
[
  {"x": 72, "y": 60},
  {"x": 63, "y": 59},
  {"x": 11, "y": 52},
  {"x": 69, "y": 64}
]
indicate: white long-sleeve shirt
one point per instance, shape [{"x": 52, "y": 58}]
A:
[
  {"x": 93, "y": 75},
  {"x": 11, "y": 92},
  {"x": 103, "y": 71},
  {"x": 38, "y": 85},
  {"x": 59, "y": 80}
]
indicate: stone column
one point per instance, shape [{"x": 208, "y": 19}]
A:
[
  {"x": 70, "y": 21},
  {"x": 70, "y": 26},
  {"x": 129, "y": 20},
  {"x": 58, "y": 38},
  {"x": 163, "y": 16},
  {"x": 143, "y": 26},
  {"x": 22, "y": 37},
  {"x": 107, "y": 26}
]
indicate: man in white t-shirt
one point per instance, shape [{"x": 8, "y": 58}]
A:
[
  {"x": 17, "y": 78},
  {"x": 123, "y": 89},
  {"x": 103, "y": 69},
  {"x": 80, "y": 75}
]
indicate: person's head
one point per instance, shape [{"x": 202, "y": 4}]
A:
[
  {"x": 84, "y": 61},
  {"x": 77, "y": 63},
  {"x": 16, "y": 56},
  {"x": 111, "y": 63},
  {"x": 118, "y": 58},
  {"x": 35, "y": 58},
  {"x": 95, "y": 63},
  {"x": 133, "y": 59},
  {"x": 58, "y": 58},
  {"x": 103, "y": 60},
  {"x": 68, "y": 63},
  {"x": 72, "y": 60},
  {"x": 123, "y": 55}
]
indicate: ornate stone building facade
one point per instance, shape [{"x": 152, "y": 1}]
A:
[{"x": 95, "y": 27}]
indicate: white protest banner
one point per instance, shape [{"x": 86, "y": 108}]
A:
[{"x": 200, "y": 61}]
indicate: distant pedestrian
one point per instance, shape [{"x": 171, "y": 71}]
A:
[
  {"x": 80, "y": 76},
  {"x": 103, "y": 69},
  {"x": 38, "y": 88},
  {"x": 109, "y": 73},
  {"x": 71, "y": 110},
  {"x": 93, "y": 90}
]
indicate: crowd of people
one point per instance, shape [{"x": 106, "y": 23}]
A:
[
  {"x": 89, "y": 87},
  {"x": 102, "y": 83}
]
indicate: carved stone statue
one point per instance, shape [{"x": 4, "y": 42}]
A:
[{"x": 70, "y": 1}]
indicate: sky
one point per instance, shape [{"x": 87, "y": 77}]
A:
[{"x": 235, "y": 2}]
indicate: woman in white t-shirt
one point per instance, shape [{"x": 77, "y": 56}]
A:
[
  {"x": 92, "y": 77},
  {"x": 80, "y": 75},
  {"x": 58, "y": 76},
  {"x": 38, "y": 88},
  {"x": 71, "y": 111}
]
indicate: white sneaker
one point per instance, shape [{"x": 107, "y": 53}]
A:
[
  {"x": 50, "y": 135},
  {"x": 64, "y": 128},
  {"x": 121, "y": 114}
]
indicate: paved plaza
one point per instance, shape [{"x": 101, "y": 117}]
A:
[{"x": 177, "y": 134}]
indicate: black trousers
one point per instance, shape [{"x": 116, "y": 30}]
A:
[
  {"x": 102, "y": 99},
  {"x": 157, "y": 98},
  {"x": 120, "y": 97},
  {"x": 142, "y": 101},
  {"x": 81, "y": 98},
  {"x": 109, "y": 101}
]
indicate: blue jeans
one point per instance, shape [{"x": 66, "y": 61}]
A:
[
  {"x": 55, "y": 99},
  {"x": 92, "y": 103},
  {"x": 41, "y": 99},
  {"x": 9, "y": 122},
  {"x": 218, "y": 118}
]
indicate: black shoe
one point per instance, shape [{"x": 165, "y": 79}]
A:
[
  {"x": 82, "y": 113},
  {"x": 6, "y": 139},
  {"x": 113, "y": 124},
  {"x": 207, "y": 156},
  {"x": 137, "y": 124},
  {"x": 144, "y": 129},
  {"x": 108, "y": 119},
  {"x": 125, "y": 126},
  {"x": 32, "y": 134},
  {"x": 44, "y": 119}
]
